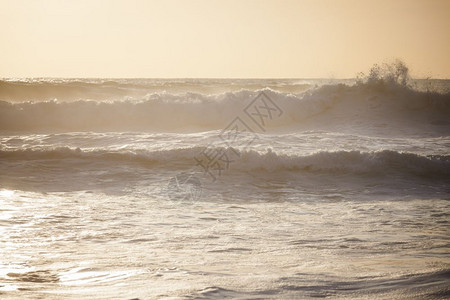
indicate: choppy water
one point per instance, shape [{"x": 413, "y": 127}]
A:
[{"x": 311, "y": 189}]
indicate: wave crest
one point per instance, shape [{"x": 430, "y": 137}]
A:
[{"x": 325, "y": 107}]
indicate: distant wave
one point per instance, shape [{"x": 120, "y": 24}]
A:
[
  {"x": 67, "y": 90},
  {"x": 379, "y": 163},
  {"x": 40, "y": 90},
  {"x": 329, "y": 105}
]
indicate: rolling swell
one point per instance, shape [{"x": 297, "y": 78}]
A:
[
  {"x": 380, "y": 163},
  {"x": 430, "y": 285},
  {"x": 118, "y": 89}
]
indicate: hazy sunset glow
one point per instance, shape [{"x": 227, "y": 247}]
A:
[{"x": 267, "y": 39}]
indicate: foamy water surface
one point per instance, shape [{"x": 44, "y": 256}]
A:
[{"x": 341, "y": 190}]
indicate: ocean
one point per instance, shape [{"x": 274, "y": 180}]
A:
[{"x": 224, "y": 188}]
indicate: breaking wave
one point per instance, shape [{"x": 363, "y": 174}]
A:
[
  {"x": 386, "y": 97},
  {"x": 330, "y": 105}
]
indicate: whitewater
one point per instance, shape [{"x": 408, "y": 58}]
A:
[{"x": 216, "y": 188}]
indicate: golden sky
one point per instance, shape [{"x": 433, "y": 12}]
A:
[{"x": 214, "y": 38}]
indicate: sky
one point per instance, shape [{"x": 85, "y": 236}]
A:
[{"x": 221, "y": 39}]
